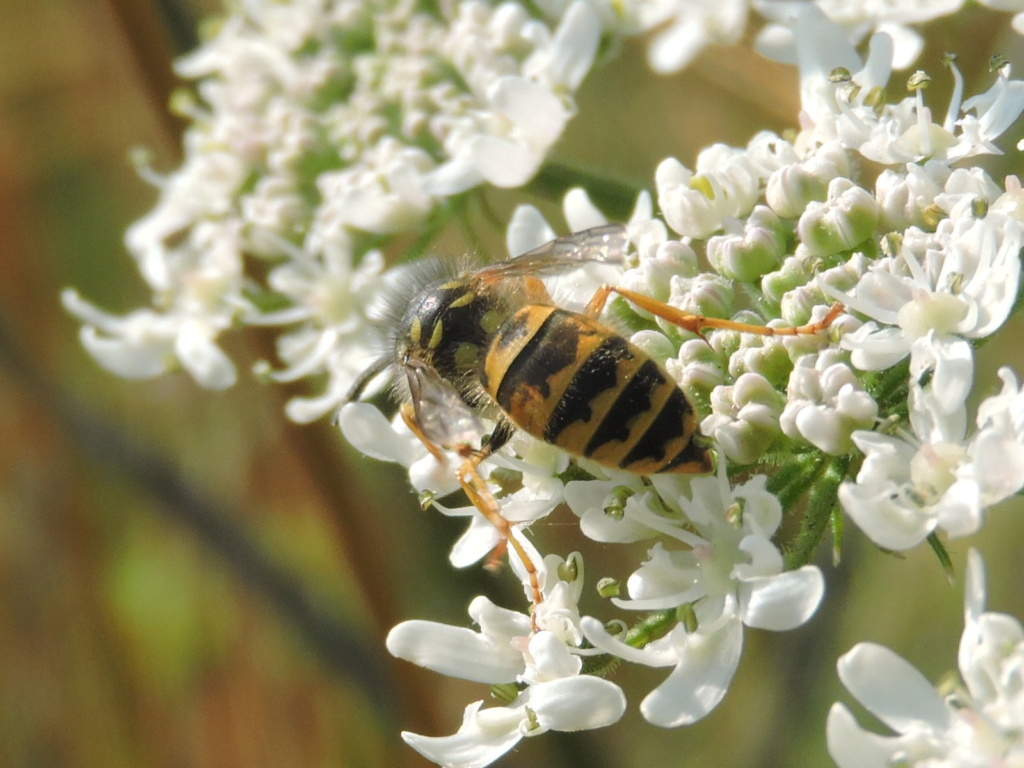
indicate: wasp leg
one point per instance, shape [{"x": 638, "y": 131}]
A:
[
  {"x": 696, "y": 323},
  {"x": 480, "y": 495},
  {"x": 482, "y": 498},
  {"x": 409, "y": 417}
]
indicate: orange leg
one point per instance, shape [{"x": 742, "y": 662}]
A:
[
  {"x": 696, "y": 323},
  {"x": 482, "y": 498},
  {"x": 409, "y": 417}
]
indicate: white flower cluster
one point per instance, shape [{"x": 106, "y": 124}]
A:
[
  {"x": 316, "y": 123},
  {"x": 323, "y": 128},
  {"x": 980, "y": 723},
  {"x": 925, "y": 262}
]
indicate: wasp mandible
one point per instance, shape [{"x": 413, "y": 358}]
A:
[{"x": 465, "y": 344}]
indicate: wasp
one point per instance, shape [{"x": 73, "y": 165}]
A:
[{"x": 468, "y": 344}]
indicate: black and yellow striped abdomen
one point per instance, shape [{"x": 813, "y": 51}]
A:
[{"x": 573, "y": 382}]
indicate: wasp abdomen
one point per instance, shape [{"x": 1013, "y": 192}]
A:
[{"x": 575, "y": 383}]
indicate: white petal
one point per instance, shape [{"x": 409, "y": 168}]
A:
[
  {"x": 125, "y": 358},
  {"x": 586, "y": 498},
  {"x": 907, "y": 44},
  {"x": 998, "y": 461},
  {"x": 765, "y": 558},
  {"x": 538, "y": 114},
  {"x": 580, "y": 211},
  {"x": 575, "y": 45},
  {"x": 960, "y": 512},
  {"x": 776, "y": 42},
  {"x": 550, "y": 659},
  {"x": 455, "y": 176},
  {"x": 527, "y": 229},
  {"x": 577, "y": 703},
  {"x": 974, "y": 587},
  {"x": 203, "y": 359},
  {"x": 675, "y": 47},
  {"x": 853, "y": 747},
  {"x": 454, "y": 651},
  {"x": 952, "y": 361},
  {"x": 483, "y": 737},
  {"x": 784, "y": 601},
  {"x": 891, "y": 689},
  {"x": 504, "y": 163},
  {"x": 885, "y": 522},
  {"x": 706, "y": 666},
  {"x": 476, "y": 543},
  {"x": 368, "y": 431},
  {"x": 496, "y": 621}
]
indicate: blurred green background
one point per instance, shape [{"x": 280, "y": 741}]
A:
[{"x": 188, "y": 580}]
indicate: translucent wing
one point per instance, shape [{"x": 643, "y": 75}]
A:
[
  {"x": 606, "y": 244},
  {"x": 441, "y": 413}
]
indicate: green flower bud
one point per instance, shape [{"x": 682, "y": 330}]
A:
[
  {"x": 794, "y": 273},
  {"x": 747, "y": 256},
  {"x": 609, "y": 587},
  {"x": 847, "y": 218}
]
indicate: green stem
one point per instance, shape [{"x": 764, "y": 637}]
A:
[
  {"x": 943, "y": 554},
  {"x": 616, "y": 197},
  {"x": 823, "y": 500},
  {"x": 838, "y": 523},
  {"x": 791, "y": 480}
]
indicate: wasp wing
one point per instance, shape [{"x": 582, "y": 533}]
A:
[
  {"x": 606, "y": 244},
  {"x": 441, "y": 414}
]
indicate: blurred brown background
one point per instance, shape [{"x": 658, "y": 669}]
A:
[{"x": 188, "y": 580}]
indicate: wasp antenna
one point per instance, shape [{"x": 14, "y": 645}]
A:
[{"x": 376, "y": 369}]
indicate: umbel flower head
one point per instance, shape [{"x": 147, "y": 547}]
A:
[{"x": 868, "y": 242}]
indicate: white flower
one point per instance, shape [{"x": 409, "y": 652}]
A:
[
  {"x": 510, "y": 648},
  {"x": 566, "y": 704},
  {"x": 857, "y": 21},
  {"x": 523, "y": 114},
  {"x": 278, "y": 167},
  {"x": 730, "y": 574},
  {"x": 367, "y": 430},
  {"x": 703, "y": 664},
  {"x": 144, "y": 344},
  {"x": 201, "y": 280},
  {"x": 725, "y": 184},
  {"x": 959, "y": 282},
  {"x": 909, "y": 485},
  {"x": 981, "y": 725}
]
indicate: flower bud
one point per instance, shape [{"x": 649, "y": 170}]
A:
[
  {"x": 765, "y": 356},
  {"x": 698, "y": 369},
  {"x": 705, "y": 294},
  {"x": 904, "y": 197},
  {"x": 656, "y": 345},
  {"x": 794, "y": 273},
  {"x": 790, "y": 189},
  {"x": 653, "y": 276},
  {"x": 826, "y": 403},
  {"x": 745, "y": 418},
  {"x": 748, "y": 256},
  {"x": 846, "y": 219}
]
